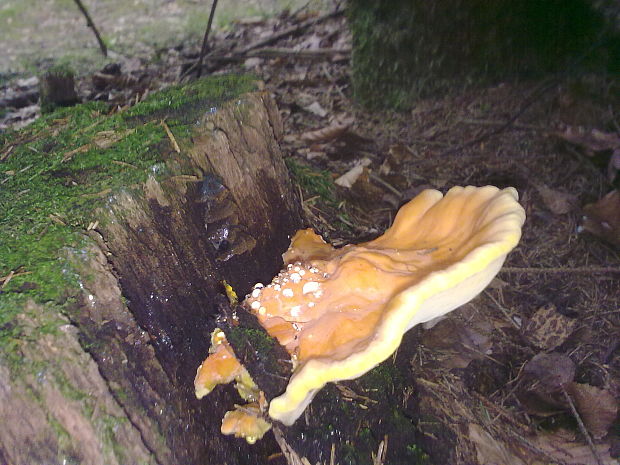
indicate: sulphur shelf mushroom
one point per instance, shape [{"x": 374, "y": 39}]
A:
[{"x": 341, "y": 312}]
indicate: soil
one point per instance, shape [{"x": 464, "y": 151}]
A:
[{"x": 481, "y": 376}]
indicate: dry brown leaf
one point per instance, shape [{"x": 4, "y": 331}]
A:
[
  {"x": 551, "y": 370},
  {"x": 603, "y": 218},
  {"x": 567, "y": 452},
  {"x": 348, "y": 179},
  {"x": 316, "y": 109},
  {"x": 557, "y": 202},
  {"x": 597, "y": 407},
  {"x": 331, "y": 132},
  {"x": 399, "y": 153},
  {"x": 456, "y": 344},
  {"x": 489, "y": 450},
  {"x": 591, "y": 142},
  {"x": 548, "y": 328}
]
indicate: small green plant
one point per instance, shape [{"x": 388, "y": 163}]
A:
[{"x": 313, "y": 182}]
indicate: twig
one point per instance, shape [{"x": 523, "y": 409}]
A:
[
  {"x": 173, "y": 141},
  {"x": 275, "y": 52},
  {"x": 503, "y": 310},
  {"x": 7, "y": 153},
  {"x": 386, "y": 184},
  {"x": 578, "y": 269},
  {"x": 91, "y": 25},
  {"x": 582, "y": 427},
  {"x": 379, "y": 459},
  {"x": 203, "y": 49}
]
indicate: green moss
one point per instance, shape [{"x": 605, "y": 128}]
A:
[
  {"x": 61, "y": 69},
  {"x": 60, "y": 434},
  {"x": 313, "y": 182},
  {"x": 58, "y": 171},
  {"x": 201, "y": 97},
  {"x": 416, "y": 455},
  {"x": 108, "y": 426},
  {"x": 259, "y": 340},
  {"x": 383, "y": 378}
]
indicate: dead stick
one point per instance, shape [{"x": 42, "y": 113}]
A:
[
  {"x": 91, "y": 25},
  {"x": 316, "y": 54},
  {"x": 203, "y": 49},
  {"x": 578, "y": 269},
  {"x": 582, "y": 427}
]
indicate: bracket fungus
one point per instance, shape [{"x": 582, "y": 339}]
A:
[{"x": 340, "y": 312}]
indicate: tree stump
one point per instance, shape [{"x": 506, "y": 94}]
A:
[{"x": 117, "y": 233}]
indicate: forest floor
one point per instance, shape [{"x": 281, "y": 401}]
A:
[{"x": 529, "y": 371}]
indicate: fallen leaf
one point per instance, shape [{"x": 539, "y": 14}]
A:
[
  {"x": 568, "y": 452},
  {"x": 591, "y": 142},
  {"x": 252, "y": 62},
  {"x": 456, "y": 344},
  {"x": 557, "y": 202},
  {"x": 540, "y": 403},
  {"x": 311, "y": 43},
  {"x": 548, "y": 328},
  {"x": 316, "y": 109},
  {"x": 551, "y": 370},
  {"x": 603, "y": 218},
  {"x": 331, "y": 132},
  {"x": 597, "y": 407},
  {"x": 399, "y": 153},
  {"x": 348, "y": 179},
  {"x": 489, "y": 450}
]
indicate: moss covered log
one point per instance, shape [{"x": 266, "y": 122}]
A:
[
  {"x": 116, "y": 230},
  {"x": 406, "y": 49}
]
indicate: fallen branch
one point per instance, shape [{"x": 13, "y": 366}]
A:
[
  {"x": 91, "y": 24},
  {"x": 320, "y": 53}
]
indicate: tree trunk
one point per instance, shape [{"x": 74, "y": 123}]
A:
[
  {"x": 102, "y": 372},
  {"x": 407, "y": 49}
]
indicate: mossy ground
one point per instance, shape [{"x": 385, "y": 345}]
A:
[{"x": 60, "y": 170}]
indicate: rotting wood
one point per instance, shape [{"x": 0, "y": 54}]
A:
[{"x": 149, "y": 274}]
